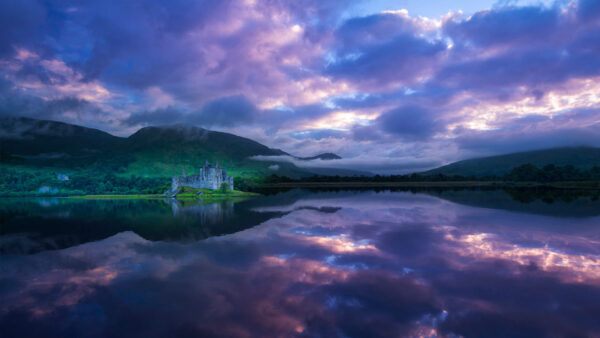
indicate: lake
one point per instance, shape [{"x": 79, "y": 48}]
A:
[{"x": 329, "y": 263}]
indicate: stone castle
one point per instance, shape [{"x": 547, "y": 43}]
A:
[{"x": 209, "y": 177}]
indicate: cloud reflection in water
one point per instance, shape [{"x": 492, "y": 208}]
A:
[{"x": 337, "y": 264}]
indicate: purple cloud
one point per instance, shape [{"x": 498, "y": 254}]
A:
[
  {"x": 409, "y": 122},
  {"x": 305, "y": 75},
  {"x": 380, "y": 49},
  {"x": 226, "y": 111},
  {"x": 512, "y": 25}
]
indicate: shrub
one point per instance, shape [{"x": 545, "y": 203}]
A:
[{"x": 224, "y": 187}]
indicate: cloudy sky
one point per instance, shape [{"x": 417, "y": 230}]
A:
[{"x": 389, "y": 85}]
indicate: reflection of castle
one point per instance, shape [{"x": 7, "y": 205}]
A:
[
  {"x": 209, "y": 177},
  {"x": 211, "y": 213}
]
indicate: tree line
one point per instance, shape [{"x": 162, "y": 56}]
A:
[
  {"x": 17, "y": 182},
  {"x": 523, "y": 173}
]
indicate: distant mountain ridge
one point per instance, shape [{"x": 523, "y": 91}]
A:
[
  {"x": 166, "y": 150},
  {"x": 31, "y": 137},
  {"x": 152, "y": 137},
  {"x": 150, "y": 151},
  {"x": 323, "y": 156},
  {"x": 582, "y": 158}
]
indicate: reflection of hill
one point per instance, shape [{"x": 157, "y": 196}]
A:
[
  {"x": 550, "y": 202},
  {"x": 33, "y": 225},
  {"x": 541, "y": 201}
]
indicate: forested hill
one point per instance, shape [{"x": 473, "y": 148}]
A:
[
  {"x": 150, "y": 152},
  {"x": 583, "y": 158},
  {"x": 210, "y": 142},
  {"x": 21, "y": 136}
]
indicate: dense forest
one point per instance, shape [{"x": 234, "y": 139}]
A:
[
  {"x": 14, "y": 182},
  {"x": 523, "y": 173}
]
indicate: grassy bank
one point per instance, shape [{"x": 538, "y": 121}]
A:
[
  {"x": 110, "y": 197},
  {"x": 186, "y": 194}
]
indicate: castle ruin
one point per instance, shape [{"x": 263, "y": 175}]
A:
[{"x": 208, "y": 177}]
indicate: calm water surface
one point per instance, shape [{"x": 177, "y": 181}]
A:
[{"x": 305, "y": 263}]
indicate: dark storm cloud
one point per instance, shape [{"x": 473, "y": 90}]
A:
[
  {"x": 588, "y": 10},
  {"x": 506, "y": 141},
  {"x": 366, "y": 133},
  {"x": 409, "y": 122},
  {"x": 319, "y": 134},
  {"x": 223, "y": 112},
  {"x": 538, "y": 48},
  {"x": 15, "y": 103},
  {"x": 226, "y": 112},
  {"x": 533, "y": 50},
  {"x": 362, "y": 31},
  {"x": 535, "y": 132},
  {"x": 397, "y": 61},
  {"x": 22, "y": 23},
  {"x": 514, "y": 25},
  {"x": 36, "y": 72},
  {"x": 538, "y": 70},
  {"x": 304, "y": 60},
  {"x": 161, "y": 116},
  {"x": 143, "y": 44},
  {"x": 382, "y": 49}
]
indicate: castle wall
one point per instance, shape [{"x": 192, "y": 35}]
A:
[{"x": 208, "y": 177}]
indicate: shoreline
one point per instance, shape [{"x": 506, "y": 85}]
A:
[
  {"x": 161, "y": 196},
  {"x": 443, "y": 184},
  {"x": 566, "y": 185}
]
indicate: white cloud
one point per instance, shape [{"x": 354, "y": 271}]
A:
[{"x": 375, "y": 164}]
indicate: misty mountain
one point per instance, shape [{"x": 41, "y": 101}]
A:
[
  {"x": 205, "y": 141},
  {"x": 28, "y": 137},
  {"x": 582, "y": 158},
  {"x": 150, "y": 152},
  {"x": 323, "y": 156}
]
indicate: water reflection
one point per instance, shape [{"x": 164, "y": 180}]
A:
[
  {"x": 33, "y": 225},
  {"x": 202, "y": 212},
  {"x": 331, "y": 263}
]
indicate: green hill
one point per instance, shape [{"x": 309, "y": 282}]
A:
[
  {"x": 50, "y": 139},
  {"x": 582, "y": 158},
  {"x": 164, "y": 151},
  {"x": 29, "y": 145}
]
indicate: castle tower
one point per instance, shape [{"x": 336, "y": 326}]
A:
[{"x": 207, "y": 177}]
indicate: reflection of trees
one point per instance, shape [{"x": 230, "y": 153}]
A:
[
  {"x": 543, "y": 201},
  {"x": 547, "y": 195},
  {"x": 550, "y": 196},
  {"x": 536, "y": 200},
  {"x": 62, "y": 223}
]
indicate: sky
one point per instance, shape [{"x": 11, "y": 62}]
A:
[{"x": 391, "y": 86}]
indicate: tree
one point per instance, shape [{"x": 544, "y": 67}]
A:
[
  {"x": 224, "y": 187},
  {"x": 524, "y": 173}
]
